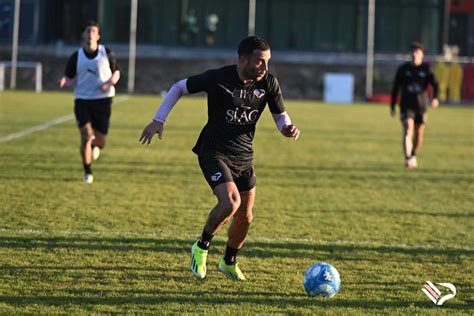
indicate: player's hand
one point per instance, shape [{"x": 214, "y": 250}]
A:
[
  {"x": 434, "y": 103},
  {"x": 153, "y": 128},
  {"x": 106, "y": 86},
  {"x": 65, "y": 81},
  {"x": 62, "y": 82},
  {"x": 291, "y": 131}
]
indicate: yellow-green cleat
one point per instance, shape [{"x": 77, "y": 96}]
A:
[
  {"x": 198, "y": 261},
  {"x": 232, "y": 271}
]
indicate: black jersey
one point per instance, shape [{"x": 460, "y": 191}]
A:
[
  {"x": 413, "y": 82},
  {"x": 71, "y": 66},
  {"x": 233, "y": 111}
]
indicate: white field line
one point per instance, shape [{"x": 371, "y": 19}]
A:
[
  {"x": 47, "y": 125},
  {"x": 108, "y": 233},
  {"x": 36, "y": 128}
]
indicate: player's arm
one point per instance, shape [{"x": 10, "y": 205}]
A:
[
  {"x": 69, "y": 72},
  {"x": 395, "y": 89},
  {"x": 285, "y": 126},
  {"x": 115, "y": 71},
  {"x": 156, "y": 126},
  {"x": 434, "y": 83},
  {"x": 279, "y": 114}
]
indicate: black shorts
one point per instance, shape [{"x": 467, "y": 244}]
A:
[
  {"x": 218, "y": 170},
  {"x": 418, "y": 115},
  {"x": 97, "y": 112}
]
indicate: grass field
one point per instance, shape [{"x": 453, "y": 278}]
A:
[{"x": 339, "y": 194}]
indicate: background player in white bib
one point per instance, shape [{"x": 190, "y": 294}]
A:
[
  {"x": 96, "y": 72},
  {"x": 237, "y": 96}
]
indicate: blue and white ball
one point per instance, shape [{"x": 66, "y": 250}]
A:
[{"x": 322, "y": 279}]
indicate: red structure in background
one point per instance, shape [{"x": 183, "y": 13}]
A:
[
  {"x": 465, "y": 7},
  {"x": 468, "y": 82},
  {"x": 461, "y": 6}
]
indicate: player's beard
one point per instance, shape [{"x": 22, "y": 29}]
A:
[{"x": 254, "y": 73}]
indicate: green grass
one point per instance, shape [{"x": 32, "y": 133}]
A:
[{"x": 339, "y": 194}]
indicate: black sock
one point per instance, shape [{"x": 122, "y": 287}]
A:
[
  {"x": 413, "y": 152},
  {"x": 88, "y": 169},
  {"x": 205, "y": 241},
  {"x": 230, "y": 255}
]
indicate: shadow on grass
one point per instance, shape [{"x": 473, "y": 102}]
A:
[
  {"x": 49, "y": 172},
  {"x": 370, "y": 170},
  {"x": 192, "y": 298},
  {"x": 364, "y": 167},
  {"x": 253, "y": 248},
  {"x": 429, "y": 213},
  {"x": 187, "y": 298},
  {"x": 113, "y": 268},
  {"x": 39, "y": 160}
]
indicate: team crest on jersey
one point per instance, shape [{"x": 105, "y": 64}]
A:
[
  {"x": 259, "y": 93},
  {"x": 216, "y": 176}
]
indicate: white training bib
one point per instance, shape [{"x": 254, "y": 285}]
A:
[{"x": 91, "y": 74}]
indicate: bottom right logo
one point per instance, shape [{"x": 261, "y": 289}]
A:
[{"x": 434, "y": 293}]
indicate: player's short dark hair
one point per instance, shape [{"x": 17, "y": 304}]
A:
[
  {"x": 251, "y": 43},
  {"x": 92, "y": 23},
  {"x": 416, "y": 45}
]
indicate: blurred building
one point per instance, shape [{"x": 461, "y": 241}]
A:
[
  {"x": 461, "y": 26},
  {"x": 181, "y": 37},
  {"x": 321, "y": 25}
]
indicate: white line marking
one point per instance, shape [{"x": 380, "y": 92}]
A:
[
  {"x": 49, "y": 124},
  {"x": 189, "y": 235},
  {"x": 36, "y": 128}
]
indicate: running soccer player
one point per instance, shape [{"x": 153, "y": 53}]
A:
[
  {"x": 97, "y": 72},
  {"x": 237, "y": 95},
  {"x": 412, "y": 79}
]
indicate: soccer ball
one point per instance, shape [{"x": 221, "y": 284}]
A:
[{"x": 322, "y": 279}]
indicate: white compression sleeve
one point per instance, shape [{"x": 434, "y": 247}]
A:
[
  {"x": 281, "y": 120},
  {"x": 178, "y": 89}
]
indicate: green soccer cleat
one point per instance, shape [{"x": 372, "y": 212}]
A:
[
  {"x": 198, "y": 261},
  {"x": 232, "y": 271}
]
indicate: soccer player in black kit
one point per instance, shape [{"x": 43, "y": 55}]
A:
[
  {"x": 237, "y": 96},
  {"x": 412, "y": 79}
]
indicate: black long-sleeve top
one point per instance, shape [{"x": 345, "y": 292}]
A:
[{"x": 412, "y": 82}]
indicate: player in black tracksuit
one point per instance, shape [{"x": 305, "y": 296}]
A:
[
  {"x": 412, "y": 80},
  {"x": 237, "y": 96}
]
